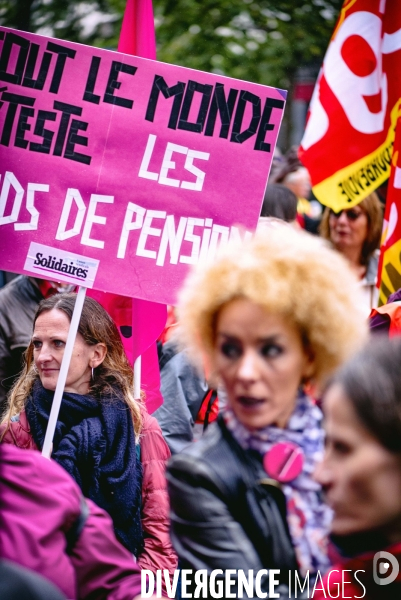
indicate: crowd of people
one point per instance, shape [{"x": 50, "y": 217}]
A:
[{"x": 295, "y": 472}]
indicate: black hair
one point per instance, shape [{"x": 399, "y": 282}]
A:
[{"x": 279, "y": 202}]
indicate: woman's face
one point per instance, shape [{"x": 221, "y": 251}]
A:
[
  {"x": 261, "y": 361},
  {"x": 361, "y": 478},
  {"x": 49, "y": 339},
  {"x": 348, "y": 229}
]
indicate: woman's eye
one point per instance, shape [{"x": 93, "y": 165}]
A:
[
  {"x": 36, "y": 344},
  {"x": 59, "y": 343},
  {"x": 231, "y": 350},
  {"x": 341, "y": 448},
  {"x": 271, "y": 350}
]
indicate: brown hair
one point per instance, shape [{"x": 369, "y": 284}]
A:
[
  {"x": 374, "y": 212},
  {"x": 371, "y": 381},
  {"x": 280, "y": 202},
  {"x": 95, "y": 326}
]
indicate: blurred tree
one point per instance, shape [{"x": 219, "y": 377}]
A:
[
  {"x": 93, "y": 22},
  {"x": 264, "y": 41}
]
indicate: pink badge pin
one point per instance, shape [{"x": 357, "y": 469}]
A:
[{"x": 284, "y": 461}]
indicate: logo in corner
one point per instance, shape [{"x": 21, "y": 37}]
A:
[{"x": 382, "y": 561}]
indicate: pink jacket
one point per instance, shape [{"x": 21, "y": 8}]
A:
[
  {"x": 158, "y": 552},
  {"x": 39, "y": 504}
]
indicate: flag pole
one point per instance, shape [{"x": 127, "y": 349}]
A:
[
  {"x": 62, "y": 378},
  {"x": 137, "y": 378}
]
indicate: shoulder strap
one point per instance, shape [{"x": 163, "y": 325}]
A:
[
  {"x": 212, "y": 399},
  {"x": 72, "y": 535},
  {"x": 166, "y": 355},
  {"x": 207, "y": 409}
]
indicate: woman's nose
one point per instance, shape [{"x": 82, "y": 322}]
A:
[
  {"x": 322, "y": 473},
  {"x": 342, "y": 218},
  {"x": 248, "y": 369},
  {"x": 44, "y": 354}
]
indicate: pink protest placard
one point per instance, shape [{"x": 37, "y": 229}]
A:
[{"x": 119, "y": 172}]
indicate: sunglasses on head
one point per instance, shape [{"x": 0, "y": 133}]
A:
[{"x": 350, "y": 213}]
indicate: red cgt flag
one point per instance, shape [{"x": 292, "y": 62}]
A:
[
  {"x": 390, "y": 257},
  {"x": 348, "y": 141}
]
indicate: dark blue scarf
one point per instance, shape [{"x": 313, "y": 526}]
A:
[{"x": 94, "y": 442}]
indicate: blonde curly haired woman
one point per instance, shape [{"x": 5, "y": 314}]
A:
[{"x": 268, "y": 316}]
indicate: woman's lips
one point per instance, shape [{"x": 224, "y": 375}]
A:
[
  {"x": 330, "y": 501},
  {"x": 250, "y": 401}
]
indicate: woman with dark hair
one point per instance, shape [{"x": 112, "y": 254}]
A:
[
  {"x": 102, "y": 432},
  {"x": 356, "y": 232},
  {"x": 361, "y": 471}
]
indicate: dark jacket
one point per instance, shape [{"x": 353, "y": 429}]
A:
[
  {"x": 18, "y": 583},
  {"x": 19, "y": 300},
  {"x": 225, "y": 512},
  {"x": 183, "y": 390}
]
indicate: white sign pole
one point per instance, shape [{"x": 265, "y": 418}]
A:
[
  {"x": 137, "y": 378},
  {"x": 65, "y": 364}
]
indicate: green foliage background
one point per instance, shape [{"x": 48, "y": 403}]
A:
[{"x": 262, "y": 41}]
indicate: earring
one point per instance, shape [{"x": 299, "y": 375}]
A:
[{"x": 93, "y": 377}]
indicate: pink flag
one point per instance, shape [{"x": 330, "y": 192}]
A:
[
  {"x": 148, "y": 318},
  {"x": 138, "y": 30},
  {"x": 139, "y": 322}
]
